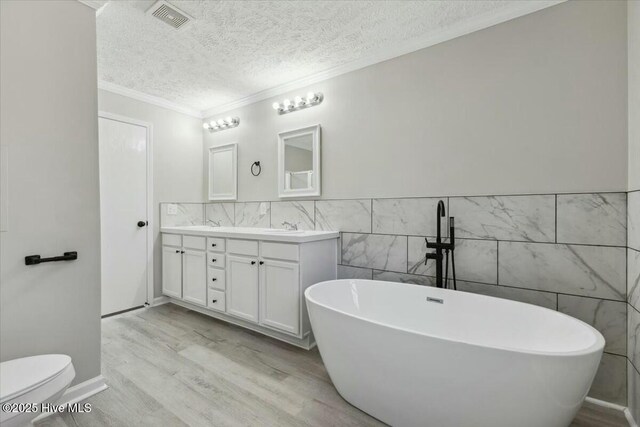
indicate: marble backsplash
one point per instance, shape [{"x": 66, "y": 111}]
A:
[{"x": 566, "y": 252}]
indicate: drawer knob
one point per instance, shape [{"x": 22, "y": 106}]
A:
[
  {"x": 177, "y": 252},
  {"x": 214, "y": 301},
  {"x": 181, "y": 252},
  {"x": 214, "y": 260},
  {"x": 214, "y": 279},
  {"x": 261, "y": 262},
  {"x": 213, "y": 245},
  {"x": 253, "y": 262}
]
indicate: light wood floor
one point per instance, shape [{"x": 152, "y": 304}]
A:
[{"x": 169, "y": 366}]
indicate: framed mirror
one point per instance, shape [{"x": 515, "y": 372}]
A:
[
  {"x": 223, "y": 172},
  {"x": 299, "y": 162}
]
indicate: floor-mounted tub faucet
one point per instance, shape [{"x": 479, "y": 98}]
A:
[{"x": 439, "y": 247}]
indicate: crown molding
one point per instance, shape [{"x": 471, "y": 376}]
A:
[
  {"x": 149, "y": 99},
  {"x": 97, "y": 5},
  {"x": 93, "y": 4},
  {"x": 516, "y": 10}
]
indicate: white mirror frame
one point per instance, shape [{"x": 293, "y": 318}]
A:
[
  {"x": 233, "y": 147},
  {"x": 314, "y": 131}
]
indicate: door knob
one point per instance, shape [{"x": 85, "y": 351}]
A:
[
  {"x": 261, "y": 262},
  {"x": 214, "y": 301},
  {"x": 253, "y": 262},
  {"x": 142, "y": 223},
  {"x": 214, "y": 279}
]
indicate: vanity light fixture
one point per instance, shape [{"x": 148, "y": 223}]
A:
[
  {"x": 221, "y": 124},
  {"x": 287, "y": 106}
]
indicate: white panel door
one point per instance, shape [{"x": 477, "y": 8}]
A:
[
  {"x": 242, "y": 287},
  {"x": 172, "y": 271},
  {"x": 194, "y": 276},
  {"x": 280, "y": 296},
  {"x": 123, "y": 214}
]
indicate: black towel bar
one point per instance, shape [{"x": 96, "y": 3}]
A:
[{"x": 35, "y": 259}]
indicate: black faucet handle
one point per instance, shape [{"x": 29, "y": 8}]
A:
[{"x": 430, "y": 245}]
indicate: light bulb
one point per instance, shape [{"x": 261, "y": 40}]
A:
[
  {"x": 287, "y": 103},
  {"x": 229, "y": 120},
  {"x": 205, "y": 126},
  {"x": 276, "y": 105},
  {"x": 297, "y": 100},
  {"x": 311, "y": 96},
  {"x": 220, "y": 122}
]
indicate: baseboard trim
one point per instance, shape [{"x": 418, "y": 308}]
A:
[
  {"x": 77, "y": 393},
  {"x": 623, "y": 409},
  {"x": 630, "y": 420},
  {"x": 160, "y": 300},
  {"x": 605, "y": 404}
]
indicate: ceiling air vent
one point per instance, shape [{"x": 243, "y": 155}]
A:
[{"x": 169, "y": 14}]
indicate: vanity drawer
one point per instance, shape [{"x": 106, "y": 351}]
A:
[
  {"x": 215, "y": 300},
  {"x": 171, "y": 239},
  {"x": 215, "y": 244},
  {"x": 194, "y": 242},
  {"x": 285, "y": 251},
  {"x": 242, "y": 247},
  {"x": 216, "y": 260},
  {"x": 216, "y": 278}
]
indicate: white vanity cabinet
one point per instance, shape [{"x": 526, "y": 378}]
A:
[
  {"x": 184, "y": 268},
  {"x": 250, "y": 277},
  {"x": 280, "y": 295},
  {"x": 242, "y": 289},
  {"x": 172, "y": 271},
  {"x": 194, "y": 276}
]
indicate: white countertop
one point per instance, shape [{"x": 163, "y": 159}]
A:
[{"x": 293, "y": 236}]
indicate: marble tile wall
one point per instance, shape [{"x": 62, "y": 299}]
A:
[
  {"x": 566, "y": 252},
  {"x": 521, "y": 218},
  {"x": 219, "y": 214},
  {"x": 253, "y": 214},
  {"x": 186, "y": 214},
  {"x": 297, "y": 214},
  {"x": 633, "y": 299}
]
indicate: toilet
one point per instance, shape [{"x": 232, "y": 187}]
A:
[{"x": 32, "y": 380}]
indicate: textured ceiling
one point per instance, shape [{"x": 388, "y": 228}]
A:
[{"x": 235, "y": 49}]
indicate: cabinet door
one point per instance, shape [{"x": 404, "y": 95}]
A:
[
  {"x": 171, "y": 271},
  {"x": 242, "y": 287},
  {"x": 280, "y": 296},
  {"x": 194, "y": 276}
]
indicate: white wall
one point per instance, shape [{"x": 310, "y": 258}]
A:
[
  {"x": 533, "y": 105},
  {"x": 48, "y": 115},
  {"x": 633, "y": 29},
  {"x": 177, "y": 157}
]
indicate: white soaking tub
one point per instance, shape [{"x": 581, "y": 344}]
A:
[{"x": 421, "y": 356}]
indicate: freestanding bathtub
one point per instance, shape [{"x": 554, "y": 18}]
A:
[{"x": 421, "y": 356}]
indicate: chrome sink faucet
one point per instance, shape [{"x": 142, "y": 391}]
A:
[{"x": 289, "y": 226}]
